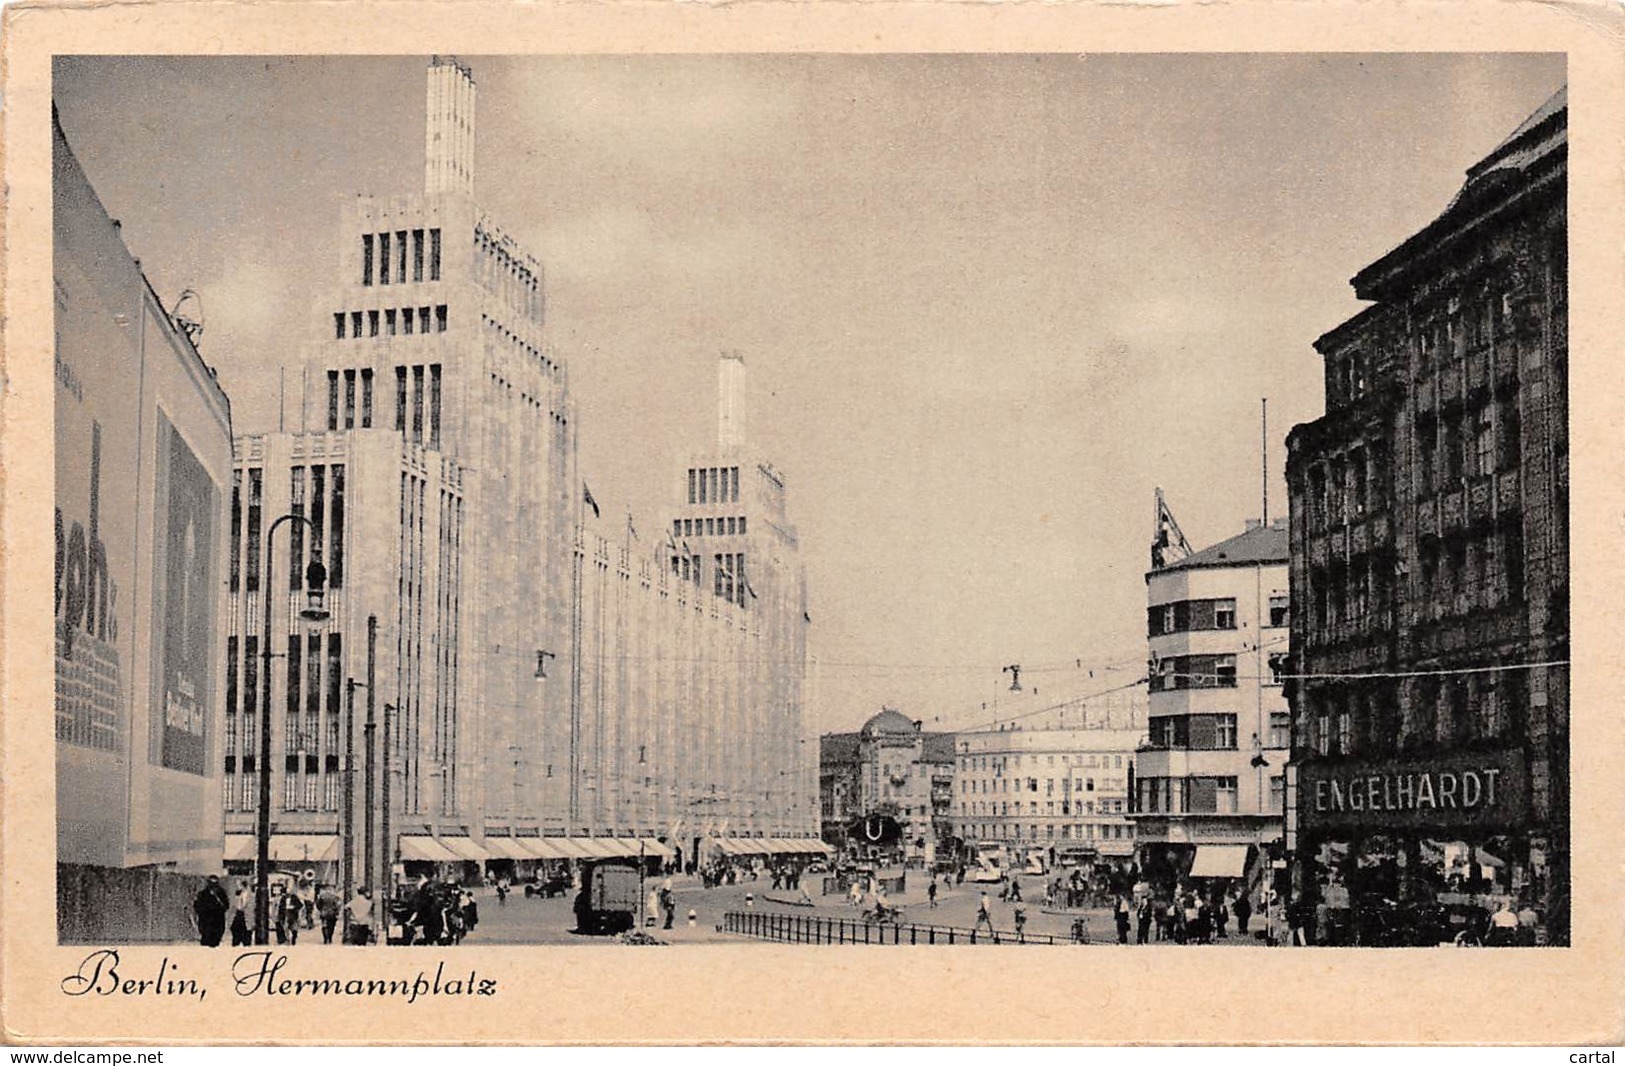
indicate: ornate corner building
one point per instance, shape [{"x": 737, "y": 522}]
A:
[{"x": 1430, "y": 569}]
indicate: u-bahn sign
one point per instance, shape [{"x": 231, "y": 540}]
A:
[{"x": 1458, "y": 790}]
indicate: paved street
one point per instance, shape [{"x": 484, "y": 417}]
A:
[{"x": 538, "y": 921}]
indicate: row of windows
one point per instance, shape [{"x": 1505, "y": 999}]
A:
[
  {"x": 714, "y": 484},
  {"x": 1187, "y": 795},
  {"x": 1066, "y": 808},
  {"x": 1193, "y": 671},
  {"x": 1369, "y": 719},
  {"x": 1030, "y": 784},
  {"x": 1214, "y": 732},
  {"x": 1185, "y": 615},
  {"x": 728, "y": 573},
  {"x": 300, "y": 792},
  {"x": 385, "y": 259},
  {"x": 389, "y": 322},
  {"x": 708, "y": 527},
  {"x": 1476, "y": 443},
  {"x": 1079, "y": 831},
  {"x": 1001, "y": 763}
]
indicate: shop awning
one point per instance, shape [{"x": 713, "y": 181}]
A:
[
  {"x": 597, "y": 847},
  {"x": 465, "y": 848},
  {"x": 304, "y": 848},
  {"x": 425, "y": 849},
  {"x": 545, "y": 848},
  {"x": 1219, "y": 860},
  {"x": 506, "y": 848},
  {"x": 651, "y": 846},
  {"x": 241, "y": 848}
]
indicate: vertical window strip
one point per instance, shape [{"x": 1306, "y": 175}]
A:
[{"x": 335, "y": 561}]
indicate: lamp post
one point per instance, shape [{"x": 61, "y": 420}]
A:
[{"x": 315, "y": 578}]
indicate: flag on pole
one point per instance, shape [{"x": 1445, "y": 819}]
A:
[
  {"x": 586, "y": 493},
  {"x": 1168, "y": 545}
]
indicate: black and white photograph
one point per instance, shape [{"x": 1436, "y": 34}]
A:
[{"x": 1085, "y": 504}]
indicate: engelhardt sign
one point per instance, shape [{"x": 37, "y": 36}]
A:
[{"x": 1454, "y": 790}]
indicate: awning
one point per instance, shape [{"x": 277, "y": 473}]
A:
[
  {"x": 595, "y": 848},
  {"x": 652, "y": 846},
  {"x": 545, "y": 848},
  {"x": 425, "y": 849},
  {"x": 571, "y": 848},
  {"x": 240, "y": 848},
  {"x": 464, "y": 848},
  {"x": 1219, "y": 860},
  {"x": 617, "y": 847},
  {"x": 506, "y": 848},
  {"x": 304, "y": 848}
]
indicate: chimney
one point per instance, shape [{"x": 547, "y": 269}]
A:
[
  {"x": 731, "y": 401},
  {"x": 448, "y": 152}
]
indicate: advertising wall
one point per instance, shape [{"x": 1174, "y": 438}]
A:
[{"x": 143, "y": 447}]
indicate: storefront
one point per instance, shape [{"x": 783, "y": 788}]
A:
[{"x": 1419, "y": 852}]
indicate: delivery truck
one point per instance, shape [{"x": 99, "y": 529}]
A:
[{"x": 609, "y": 897}]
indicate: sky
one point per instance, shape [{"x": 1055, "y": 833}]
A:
[{"x": 988, "y": 304}]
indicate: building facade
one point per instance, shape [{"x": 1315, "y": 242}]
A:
[
  {"x": 536, "y": 679},
  {"x": 1430, "y": 554},
  {"x": 888, "y": 789},
  {"x": 1060, "y": 791},
  {"x": 1210, "y": 786},
  {"x": 143, "y": 458}
]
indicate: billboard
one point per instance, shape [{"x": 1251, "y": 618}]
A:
[{"x": 183, "y": 604}]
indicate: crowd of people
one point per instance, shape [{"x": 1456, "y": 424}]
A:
[{"x": 431, "y": 912}]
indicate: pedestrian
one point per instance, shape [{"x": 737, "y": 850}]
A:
[
  {"x": 1221, "y": 916},
  {"x": 242, "y": 906},
  {"x": 1122, "y": 919},
  {"x": 360, "y": 908},
  {"x": 471, "y": 911},
  {"x": 1143, "y": 932},
  {"x": 1015, "y": 889},
  {"x": 327, "y": 907},
  {"x": 430, "y": 919},
  {"x": 1021, "y": 923},
  {"x": 1244, "y": 912},
  {"x": 931, "y": 890},
  {"x": 289, "y": 910},
  {"x": 984, "y": 914},
  {"x": 855, "y": 894},
  {"x": 210, "y": 907},
  {"x": 668, "y": 901},
  {"x": 1503, "y": 926}
]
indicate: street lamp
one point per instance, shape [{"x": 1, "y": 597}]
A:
[{"x": 314, "y": 611}]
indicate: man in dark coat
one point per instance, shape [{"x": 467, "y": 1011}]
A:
[{"x": 211, "y": 907}]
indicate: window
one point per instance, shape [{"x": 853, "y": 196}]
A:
[
  {"x": 1224, "y": 671},
  {"x": 1279, "y": 616},
  {"x": 355, "y": 323},
  {"x": 1484, "y": 442},
  {"x": 1280, "y": 729},
  {"x": 366, "y": 398},
  {"x": 741, "y": 525},
  {"x": 417, "y": 405},
  {"x": 1224, "y": 731},
  {"x": 406, "y": 321},
  {"x": 332, "y": 400},
  {"x": 1169, "y": 625},
  {"x": 1357, "y": 483},
  {"x": 383, "y": 259},
  {"x": 1345, "y": 732},
  {"x": 423, "y": 320},
  {"x": 400, "y": 256},
  {"x": 417, "y": 255},
  {"x": 434, "y": 254},
  {"x": 372, "y": 323},
  {"x": 349, "y": 399},
  {"x": 1277, "y": 794},
  {"x": 366, "y": 259},
  {"x": 389, "y": 322},
  {"x": 434, "y": 405},
  {"x": 440, "y": 318},
  {"x": 1278, "y": 665},
  {"x": 1224, "y": 614},
  {"x": 338, "y": 325}
]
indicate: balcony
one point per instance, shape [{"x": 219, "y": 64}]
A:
[
  {"x": 1450, "y": 386},
  {"x": 1452, "y": 511},
  {"x": 1507, "y": 489},
  {"x": 1506, "y": 363},
  {"x": 1427, "y": 518},
  {"x": 1425, "y": 394},
  {"x": 1478, "y": 371},
  {"x": 1481, "y": 499}
]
